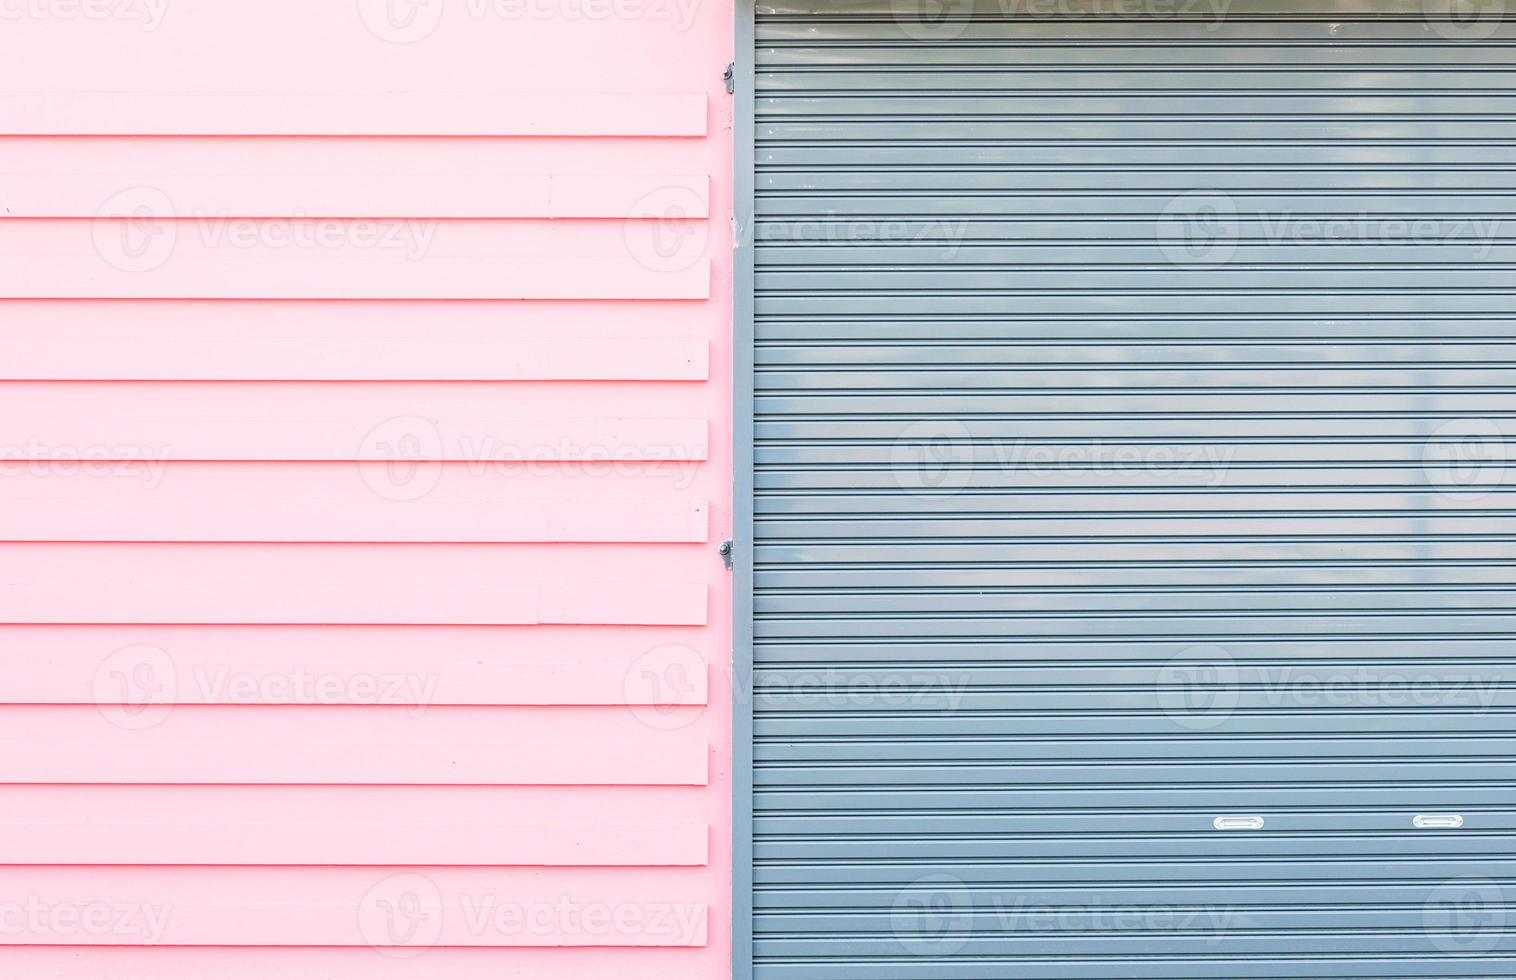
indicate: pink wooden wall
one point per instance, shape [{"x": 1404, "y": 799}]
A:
[{"x": 364, "y": 453}]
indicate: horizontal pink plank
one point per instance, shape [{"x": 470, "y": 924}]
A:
[
  {"x": 149, "y": 598},
  {"x": 371, "y": 322},
  {"x": 214, "y": 761},
  {"x": 310, "y": 567},
  {"x": 251, "y": 194},
  {"x": 347, "y": 963},
  {"x": 338, "y": 274},
  {"x": 399, "y": 807},
  {"x": 64, "y": 438},
  {"x": 138, "y": 515},
  {"x": 469, "y": 923},
  {"x": 127, "y": 161},
  {"x": 45, "y": 358},
  {"x": 315, "y": 114},
  {"x": 347, "y": 885},
  {"x": 172, "y": 725},
  {"x": 312, "y": 842},
  {"x": 181, "y": 678},
  {"x": 252, "y": 485},
  {"x": 373, "y": 648}
]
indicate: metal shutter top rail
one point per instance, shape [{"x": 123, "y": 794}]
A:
[{"x": 1134, "y": 388}]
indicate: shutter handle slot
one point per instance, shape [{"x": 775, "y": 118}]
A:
[
  {"x": 1437, "y": 821},
  {"x": 1238, "y": 823}
]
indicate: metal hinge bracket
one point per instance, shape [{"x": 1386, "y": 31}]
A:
[{"x": 730, "y": 77}]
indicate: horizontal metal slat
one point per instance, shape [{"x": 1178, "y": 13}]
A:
[
  {"x": 1072, "y": 303},
  {"x": 1199, "y": 745},
  {"x": 1036, "y": 528},
  {"x": 1096, "y": 15},
  {"x": 1382, "y": 212},
  {"x": 1069, "y": 824},
  {"x": 1426, "y": 797},
  {"x": 957, "y": 78},
  {"x": 1403, "y": 549},
  {"x": 1134, "y": 333},
  {"x": 902, "y": 872},
  {"x": 885, "y": 718},
  {"x": 1193, "y": 504},
  {"x": 1134, "y": 651},
  {"x": 917, "y": 404},
  {"x": 1078, "y": 127},
  {"x": 797, "y": 45}
]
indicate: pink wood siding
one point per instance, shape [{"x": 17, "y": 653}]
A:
[{"x": 364, "y": 453}]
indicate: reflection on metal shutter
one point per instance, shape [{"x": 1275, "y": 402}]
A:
[{"x": 1134, "y": 553}]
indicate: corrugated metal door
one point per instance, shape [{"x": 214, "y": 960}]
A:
[{"x": 1133, "y": 546}]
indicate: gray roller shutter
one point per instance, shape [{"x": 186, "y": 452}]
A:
[{"x": 1131, "y": 402}]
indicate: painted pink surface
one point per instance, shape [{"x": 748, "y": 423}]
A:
[{"x": 364, "y": 426}]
